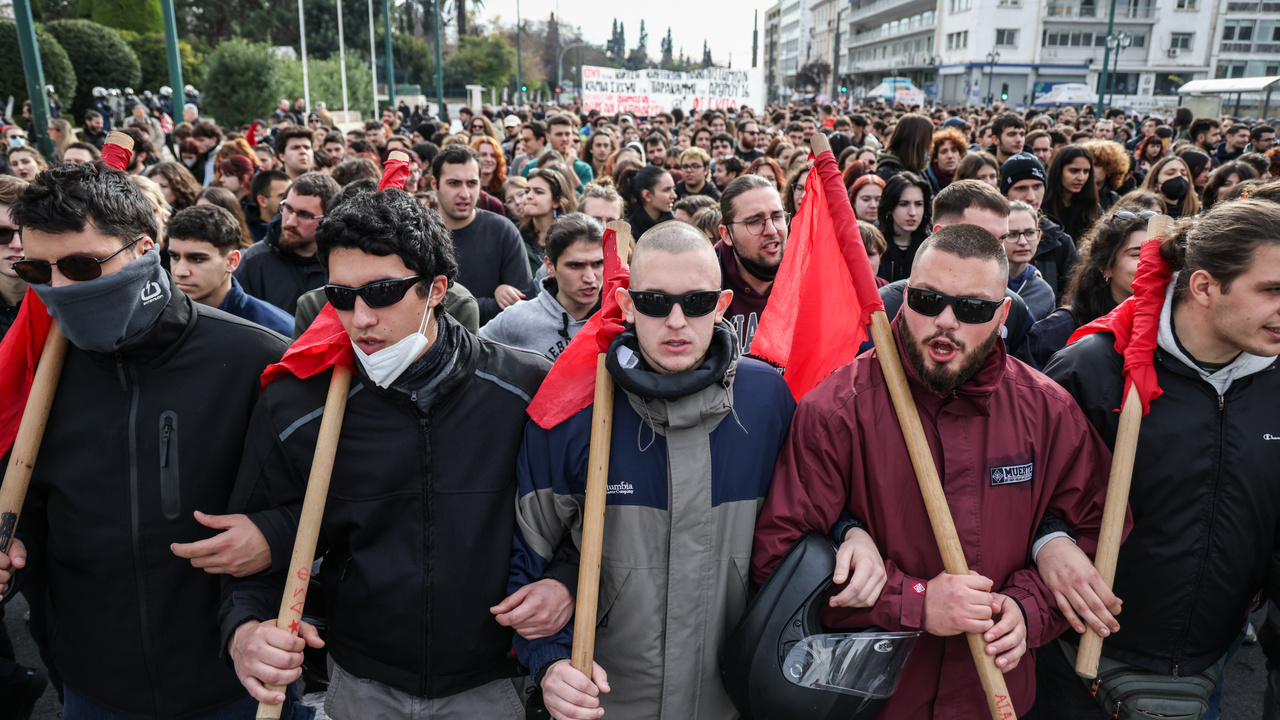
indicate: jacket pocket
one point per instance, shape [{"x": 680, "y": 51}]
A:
[{"x": 170, "y": 495}]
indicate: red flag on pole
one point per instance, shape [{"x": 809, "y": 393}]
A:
[
  {"x": 1135, "y": 323},
  {"x": 825, "y": 291},
  {"x": 570, "y": 386}
]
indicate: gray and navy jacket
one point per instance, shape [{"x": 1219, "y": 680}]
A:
[
  {"x": 541, "y": 324},
  {"x": 687, "y": 478}
]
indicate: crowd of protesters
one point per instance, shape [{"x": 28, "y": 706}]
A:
[{"x": 450, "y": 540}]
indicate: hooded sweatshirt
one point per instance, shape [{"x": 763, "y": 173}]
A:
[{"x": 540, "y": 324}]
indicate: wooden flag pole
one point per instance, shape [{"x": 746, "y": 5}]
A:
[
  {"x": 26, "y": 445},
  {"x": 304, "y": 545},
  {"x": 1122, "y": 460},
  {"x": 584, "y": 621},
  {"x": 944, "y": 528}
]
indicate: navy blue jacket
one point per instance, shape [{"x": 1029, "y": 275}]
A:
[{"x": 243, "y": 305}]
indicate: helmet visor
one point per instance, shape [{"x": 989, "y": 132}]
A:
[{"x": 864, "y": 664}]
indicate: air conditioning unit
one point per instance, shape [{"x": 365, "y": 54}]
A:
[{"x": 1173, "y": 52}]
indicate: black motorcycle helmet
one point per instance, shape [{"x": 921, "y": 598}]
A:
[{"x": 781, "y": 664}]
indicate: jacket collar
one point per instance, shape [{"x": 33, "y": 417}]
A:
[
  {"x": 176, "y": 321},
  {"x": 235, "y": 300},
  {"x": 732, "y": 274},
  {"x": 971, "y": 398},
  {"x": 1243, "y": 366}
]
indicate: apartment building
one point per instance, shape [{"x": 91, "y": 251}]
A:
[
  {"x": 772, "y": 68},
  {"x": 1245, "y": 40}
]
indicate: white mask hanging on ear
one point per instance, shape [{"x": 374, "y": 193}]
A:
[{"x": 385, "y": 365}]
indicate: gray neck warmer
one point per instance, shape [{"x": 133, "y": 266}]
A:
[
  {"x": 1243, "y": 366},
  {"x": 111, "y": 312}
]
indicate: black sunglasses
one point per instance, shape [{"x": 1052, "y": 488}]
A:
[
  {"x": 377, "y": 294},
  {"x": 77, "y": 268},
  {"x": 658, "y": 304},
  {"x": 971, "y": 311},
  {"x": 6, "y": 235}
]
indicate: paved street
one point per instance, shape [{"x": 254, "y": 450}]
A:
[{"x": 1242, "y": 699}]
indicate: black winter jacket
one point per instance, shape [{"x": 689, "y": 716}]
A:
[
  {"x": 1055, "y": 257},
  {"x": 1205, "y": 502},
  {"x": 419, "y": 519},
  {"x": 136, "y": 442}
]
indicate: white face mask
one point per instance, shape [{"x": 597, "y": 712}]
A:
[
  {"x": 189, "y": 162},
  {"x": 385, "y": 365}
]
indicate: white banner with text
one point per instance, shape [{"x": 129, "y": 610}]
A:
[{"x": 652, "y": 91}]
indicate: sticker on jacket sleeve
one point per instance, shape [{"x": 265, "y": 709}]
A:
[
  {"x": 918, "y": 588},
  {"x": 1012, "y": 474}
]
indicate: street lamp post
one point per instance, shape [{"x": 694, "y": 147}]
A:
[
  {"x": 1118, "y": 43},
  {"x": 992, "y": 58},
  {"x": 560, "y": 60}
]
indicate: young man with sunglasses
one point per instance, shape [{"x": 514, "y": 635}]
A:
[
  {"x": 146, "y": 429},
  {"x": 696, "y": 430},
  {"x": 1009, "y": 445},
  {"x": 284, "y": 265},
  {"x": 12, "y": 287},
  {"x": 418, "y": 524},
  {"x": 753, "y": 235}
]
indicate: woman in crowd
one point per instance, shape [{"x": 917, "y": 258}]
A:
[
  {"x": 1103, "y": 279},
  {"x": 908, "y": 147},
  {"x": 649, "y": 193},
  {"x": 1148, "y": 153},
  {"x": 26, "y": 162},
  {"x": 949, "y": 148},
  {"x": 1071, "y": 196},
  {"x": 768, "y": 169},
  {"x": 979, "y": 165},
  {"x": 513, "y": 192},
  {"x": 1198, "y": 165},
  {"x": 873, "y": 241},
  {"x": 1222, "y": 180},
  {"x": 548, "y": 198},
  {"x": 708, "y": 221},
  {"x": 179, "y": 187},
  {"x": 493, "y": 163},
  {"x": 781, "y": 150},
  {"x": 481, "y": 127},
  {"x": 904, "y": 219},
  {"x": 235, "y": 174},
  {"x": 793, "y": 192},
  {"x": 62, "y": 135},
  {"x": 600, "y": 146},
  {"x": 227, "y": 200},
  {"x": 1171, "y": 180},
  {"x": 865, "y": 197},
  {"x": 1020, "y": 248},
  {"x": 1110, "y": 169}
]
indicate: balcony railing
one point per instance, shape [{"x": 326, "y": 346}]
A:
[
  {"x": 1269, "y": 48},
  {"x": 881, "y": 33},
  {"x": 1099, "y": 12},
  {"x": 866, "y": 9},
  {"x": 1253, "y": 7}
]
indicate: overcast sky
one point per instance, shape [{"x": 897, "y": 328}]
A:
[{"x": 725, "y": 25}]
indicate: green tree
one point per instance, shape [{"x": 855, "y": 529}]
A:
[
  {"x": 486, "y": 60},
  {"x": 242, "y": 81},
  {"x": 154, "y": 60},
  {"x": 140, "y": 16},
  {"x": 639, "y": 57},
  {"x": 55, "y": 9},
  {"x": 668, "y": 48},
  {"x": 325, "y": 79},
  {"x": 100, "y": 56},
  {"x": 58, "y": 70}
]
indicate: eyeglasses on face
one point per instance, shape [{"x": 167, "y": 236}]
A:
[
  {"x": 77, "y": 268},
  {"x": 755, "y": 225},
  {"x": 301, "y": 214},
  {"x": 1015, "y": 235},
  {"x": 971, "y": 311},
  {"x": 658, "y": 304},
  {"x": 377, "y": 294}
]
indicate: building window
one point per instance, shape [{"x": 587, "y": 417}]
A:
[
  {"x": 1010, "y": 3},
  {"x": 958, "y": 40},
  {"x": 1186, "y": 4},
  {"x": 1007, "y": 38},
  {"x": 1275, "y": 34},
  {"x": 1180, "y": 41},
  {"x": 1271, "y": 70},
  {"x": 1231, "y": 69},
  {"x": 1241, "y": 30},
  {"x": 1125, "y": 83},
  {"x": 960, "y": 5},
  {"x": 1139, "y": 41},
  {"x": 1168, "y": 83}
]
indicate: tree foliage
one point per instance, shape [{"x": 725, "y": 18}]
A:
[
  {"x": 813, "y": 74},
  {"x": 487, "y": 60},
  {"x": 325, "y": 79},
  {"x": 668, "y": 49},
  {"x": 152, "y": 52},
  {"x": 140, "y": 16},
  {"x": 100, "y": 57},
  {"x": 242, "y": 81},
  {"x": 639, "y": 56},
  {"x": 58, "y": 70}
]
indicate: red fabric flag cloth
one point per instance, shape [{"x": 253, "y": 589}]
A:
[
  {"x": 324, "y": 345},
  {"x": 1135, "y": 323},
  {"x": 116, "y": 156},
  {"x": 825, "y": 291},
  {"x": 395, "y": 170},
  {"x": 251, "y": 137},
  {"x": 19, "y": 353},
  {"x": 571, "y": 384}
]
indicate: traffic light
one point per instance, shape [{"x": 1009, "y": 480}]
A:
[
  {"x": 1004, "y": 91},
  {"x": 844, "y": 88},
  {"x": 524, "y": 88}
]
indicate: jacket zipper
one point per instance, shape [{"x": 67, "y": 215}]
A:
[
  {"x": 1213, "y": 503},
  {"x": 170, "y": 488},
  {"x": 148, "y": 658},
  {"x": 428, "y": 509}
]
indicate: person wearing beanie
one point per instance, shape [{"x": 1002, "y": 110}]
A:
[{"x": 1022, "y": 177}]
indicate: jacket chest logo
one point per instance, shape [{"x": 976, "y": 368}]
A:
[
  {"x": 621, "y": 488},
  {"x": 1011, "y": 474}
]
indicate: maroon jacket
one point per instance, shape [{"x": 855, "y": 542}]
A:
[
  {"x": 1009, "y": 445},
  {"x": 747, "y": 305}
]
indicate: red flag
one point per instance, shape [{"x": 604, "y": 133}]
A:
[
  {"x": 570, "y": 386},
  {"x": 324, "y": 345},
  {"x": 21, "y": 350},
  {"x": 395, "y": 170},
  {"x": 251, "y": 137},
  {"x": 1135, "y": 323},
  {"x": 114, "y": 154},
  {"x": 825, "y": 291}
]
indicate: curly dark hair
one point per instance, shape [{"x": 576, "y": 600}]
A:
[
  {"x": 68, "y": 197},
  {"x": 391, "y": 222}
]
